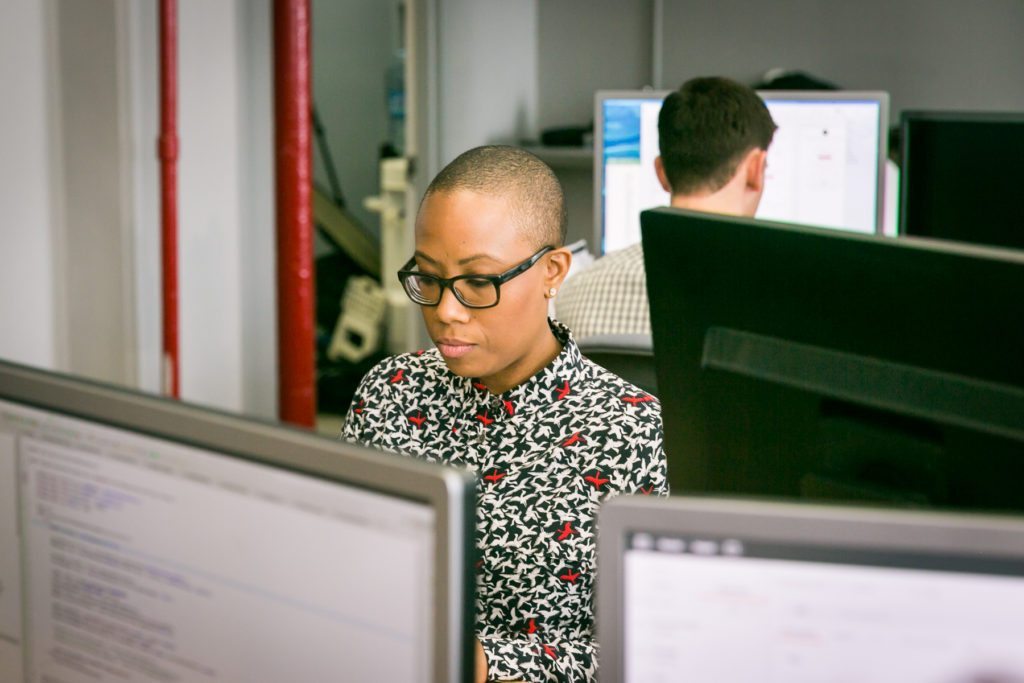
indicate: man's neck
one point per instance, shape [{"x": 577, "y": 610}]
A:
[{"x": 711, "y": 203}]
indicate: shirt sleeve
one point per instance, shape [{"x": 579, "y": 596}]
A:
[
  {"x": 649, "y": 476},
  {"x": 654, "y": 478},
  {"x": 534, "y": 660},
  {"x": 366, "y": 414},
  {"x": 352, "y": 429}
]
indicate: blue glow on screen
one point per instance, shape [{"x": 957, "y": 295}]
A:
[{"x": 622, "y": 130}]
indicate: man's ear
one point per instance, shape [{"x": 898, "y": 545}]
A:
[
  {"x": 755, "y": 164},
  {"x": 659, "y": 168},
  {"x": 556, "y": 268}
]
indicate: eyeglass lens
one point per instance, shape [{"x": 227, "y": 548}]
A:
[{"x": 470, "y": 291}]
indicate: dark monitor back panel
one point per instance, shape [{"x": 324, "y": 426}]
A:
[
  {"x": 960, "y": 177},
  {"x": 813, "y": 364}
]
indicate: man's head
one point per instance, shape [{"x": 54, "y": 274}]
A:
[
  {"x": 488, "y": 211},
  {"x": 713, "y": 135}
]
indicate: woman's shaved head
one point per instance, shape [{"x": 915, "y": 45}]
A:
[{"x": 534, "y": 194}]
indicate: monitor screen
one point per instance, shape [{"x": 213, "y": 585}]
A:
[
  {"x": 959, "y": 177},
  {"x": 811, "y": 363},
  {"x": 724, "y": 590},
  {"x": 826, "y": 163},
  {"x": 150, "y": 541}
]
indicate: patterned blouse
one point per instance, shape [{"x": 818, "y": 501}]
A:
[{"x": 546, "y": 454}]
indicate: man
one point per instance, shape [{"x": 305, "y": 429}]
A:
[{"x": 713, "y": 136}]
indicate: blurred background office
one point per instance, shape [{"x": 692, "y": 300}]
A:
[{"x": 424, "y": 80}]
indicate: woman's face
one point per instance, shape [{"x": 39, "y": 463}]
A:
[{"x": 464, "y": 232}]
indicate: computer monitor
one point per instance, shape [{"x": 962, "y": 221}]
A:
[
  {"x": 149, "y": 540},
  {"x": 960, "y": 177},
  {"x": 826, "y": 163},
  {"x": 707, "y": 590},
  {"x": 808, "y": 363}
]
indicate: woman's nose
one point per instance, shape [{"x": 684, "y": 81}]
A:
[{"x": 450, "y": 309}]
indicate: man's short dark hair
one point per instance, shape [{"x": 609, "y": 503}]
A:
[
  {"x": 706, "y": 128},
  {"x": 533, "y": 190}
]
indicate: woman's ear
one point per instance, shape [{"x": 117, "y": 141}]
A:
[{"x": 556, "y": 268}]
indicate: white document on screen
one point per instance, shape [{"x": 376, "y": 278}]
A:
[{"x": 712, "y": 619}]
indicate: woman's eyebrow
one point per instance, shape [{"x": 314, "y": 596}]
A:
[
  {"x": 462, "y": 261},
  {"x": 478, "y": 257},
  {"x": 421, "y": 255}
]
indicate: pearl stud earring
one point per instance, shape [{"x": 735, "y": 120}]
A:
[{"x": 551, "y": 292}]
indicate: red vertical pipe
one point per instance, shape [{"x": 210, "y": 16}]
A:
[
  {"x": 293, "y": 165},
  {"x": 167, "y": 151}
]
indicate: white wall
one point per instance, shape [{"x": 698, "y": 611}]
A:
[
  {"x": 209, "y": 182},
  {"x": 927, "y": 54},
  {"x": 226, "y": 274},
  {"x": 27, "y": 316},
  {"x": 143, "y": 129},
  {"x": 487, "y": 73},
  {"x": 588, "y": 45},
  {"x": 258, "y": 266},
  {"x": 93, "y": 229}
]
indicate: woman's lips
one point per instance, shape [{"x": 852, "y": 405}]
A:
[{"x": 453, "y": 348}]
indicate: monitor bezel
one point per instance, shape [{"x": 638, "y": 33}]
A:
[
  {"x": 449, "y": 492},
  {"x": 879, "y": 96},
  {"x": 968, "y": 535},
  {"x": 600, "y": 97}
]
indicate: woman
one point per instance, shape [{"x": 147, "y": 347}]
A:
[{"x": 506, "y": 394}]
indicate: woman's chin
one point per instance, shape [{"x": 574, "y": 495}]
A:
[{"x": 461, "y": 366}]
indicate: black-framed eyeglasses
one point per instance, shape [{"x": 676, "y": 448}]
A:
[{"x": 472, "y": 291}]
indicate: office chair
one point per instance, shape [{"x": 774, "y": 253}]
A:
[{"x": 630, "y": 356}]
